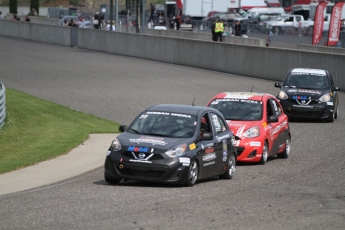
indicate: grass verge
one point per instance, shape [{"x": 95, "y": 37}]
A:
[{"x": 36, "y": 130}]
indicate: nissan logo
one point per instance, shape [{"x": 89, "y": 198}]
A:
[{"x": 141, "y": 155}]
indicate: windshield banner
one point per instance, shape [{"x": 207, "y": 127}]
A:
[
  {"x": 318, "y": 22},
  {"x": 334, "y": 27}
]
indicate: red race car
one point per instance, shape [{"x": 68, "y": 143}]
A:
[{"x": 259, "y": 122}]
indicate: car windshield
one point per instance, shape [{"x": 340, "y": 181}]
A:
[
  {"x": 306, "y": 81},
  {"x": 164, "y": 124},
  {"x": 238, "y": 109}
]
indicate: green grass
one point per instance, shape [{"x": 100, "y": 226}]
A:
[{"x": 36, "y": 130}]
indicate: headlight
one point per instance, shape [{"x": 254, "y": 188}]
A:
[
  {"x": 325, "y": 98},
  {"x": 177, "y": 151},
  {"x": 116, "y": 145},
  {"x": 282, "y": 95},
  {"x": 252, "y": 132}
]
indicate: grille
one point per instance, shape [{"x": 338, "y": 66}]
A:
[
  {"x": 154, "y": 157},
  {"x": 144, "y": 172}
]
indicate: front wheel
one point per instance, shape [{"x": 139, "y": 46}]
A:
[
  {"x": 230, "y": 168},
  {"x": 193, "y": 174},
  {"x": 264, "y": 155}
]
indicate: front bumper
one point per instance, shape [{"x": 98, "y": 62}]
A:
[
  {"x": 168, "y": 170},
  {"x": 321, "y": 110},
  {"x": 249, "y": 150}
]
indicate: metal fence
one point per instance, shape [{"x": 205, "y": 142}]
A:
[{"x": 2, "y": 104}]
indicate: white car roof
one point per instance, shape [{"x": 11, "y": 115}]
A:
[{"x": 309, "y": 71}]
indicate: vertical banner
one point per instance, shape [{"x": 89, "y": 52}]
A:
[
  {"x": 334, "y": 26},
  {"x": 318, "y": 22}
]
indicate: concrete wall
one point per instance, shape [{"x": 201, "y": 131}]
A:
[
  {"x": 321, "y": 49},
  {"x": 60, "y": 35},
  {"x": 40, "y": 20},
  {"x": 253, "y": 61}
]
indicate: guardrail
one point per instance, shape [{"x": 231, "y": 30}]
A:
[{"x": 2, "y": 104}]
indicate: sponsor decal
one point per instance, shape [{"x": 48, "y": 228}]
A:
[
  {"x": 108, "y": 153},
  {"x": 192, "y": 146},
  {"x": 306, "y": 73},
  {"x": 216, "y": 101},
  {"x": 141, "y": 161},
  {"x": 138, "y": 149},
  {"x": 278, "y": 128},
  {"x": 209, "y": 157},
  {"x": 150, "y": 140},
  {"x": 292, "y": 90},
  {"x": 329, "y": 103},
  {"x": 169, "y": 114},
  {"x": 300, "y": 97},
  {"x": 224, "y": 158},
  {"x": 209, "y": 163},
  {"x": 222, "y": 137},
  {"x": 308, "y": 91},
  {"x": 209, "y": 150},
  {"x": 225, "y": 147},
  {"x": 184, "y": 161},
  {"x": 209, "y": 145},
  {"x": 255, "y": 143},
  {"x": 202, "y": 146},
  {"x": 264, "y": 124}
]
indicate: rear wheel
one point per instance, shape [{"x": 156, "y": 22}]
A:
[
  {"x": 230, "y": 168},
  {"x": 110, "y": 180},
  {"x": 286, "y": 152},
  {"x": 193, "y": 173},
  {"x": 264, "y": 155}
]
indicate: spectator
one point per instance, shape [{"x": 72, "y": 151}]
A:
[
  {"x": 152, "y": 12},
  {"x": 1, "y": 16},
  {"x": 101, "y": 20},
  {"x": 96, "y": 21},
  {"x": 78, "y": 13},
  {"x": 15, "y": 18},
  {"x": 238, "y": 29},
  {"x": 269, "y": 38},
  {"x": 109, "y": 26},
  {"x": 213, "y": 27},
  {"x": 219, "y": 29},
  {"x": 33, "y": 12},
  {"x": 71, "y": 23},
  {"x": 178, "y": 22},
  {"x": 172, "y": 22},
  {"x": 27, "y": 19},
  {"x": 65, "y": 23},
  {"x": 161, "y": 20}
]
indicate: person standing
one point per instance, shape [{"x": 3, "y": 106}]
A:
[
  {"x": 219, "y": 30},
  {"x": 96, "y": 21},
  {"x": 269, "y": 38},
  {"x": 1, "y": 16},
  {"x": 213, "y": 28},
  {"x": 152, "y": 12},
  {"x": 238, "y": 29}
]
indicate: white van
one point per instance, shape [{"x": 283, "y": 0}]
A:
[{"x": 253, "y": 12}]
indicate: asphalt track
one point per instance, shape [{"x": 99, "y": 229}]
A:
[{"x": 305, "y": 191}]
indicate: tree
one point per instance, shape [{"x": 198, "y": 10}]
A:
[
  {"x": 13, "y": 6},
  {"x": 35, "y": 4}
]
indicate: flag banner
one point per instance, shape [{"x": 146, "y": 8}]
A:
[
  {"x": 318, "y": 22},
  {"x": 334, "y": 26}
]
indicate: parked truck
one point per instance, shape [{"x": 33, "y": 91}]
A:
[{"x": 199, "y": 9}]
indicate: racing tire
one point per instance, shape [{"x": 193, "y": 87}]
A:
[
  {"x": 192, "y": 174},
  {"x": 264, "y": 155},
  {"x": 285, "y": 154},
  {"x": 112, "y": 181},
  {"x": 230, "y": 168},
  {"x": 336, "y": 114}
]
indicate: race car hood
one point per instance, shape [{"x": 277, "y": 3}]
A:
[
  {"x": 160, "y": 144},
  {"x": 305, "y": 94},
  {"x": 239, "y": 127}
]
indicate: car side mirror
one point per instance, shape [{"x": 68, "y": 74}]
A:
[
  {"x": 237, "y": 138},
  {"x": 206, "y": 136},
  {"x": 122, "y": 128},
  {"x": 278, "y": 85},
  {"x": 272, "y": 118},
  {"x": 336, "y": 88}
]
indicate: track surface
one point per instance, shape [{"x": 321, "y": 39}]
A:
[{"x": 305, "y": 191}]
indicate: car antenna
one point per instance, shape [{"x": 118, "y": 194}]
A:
[
  {"x": 251, "y": 90},
  {"x": 193, "y": 101}
]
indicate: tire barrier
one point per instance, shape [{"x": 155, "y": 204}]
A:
[{"x": 2, "y": 104}]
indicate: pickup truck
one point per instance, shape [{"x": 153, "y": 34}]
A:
[
  {"x": 309, "y": 24},
  {"x": 284, "y": 23}
]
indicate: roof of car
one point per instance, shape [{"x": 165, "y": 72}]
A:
[
  {"x": 242, "y": 95},
  {"x": 309, "y": 71},
  {"x": 177, "y": 108}
]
